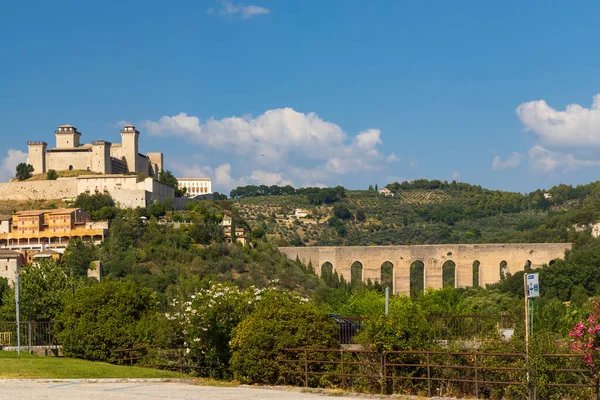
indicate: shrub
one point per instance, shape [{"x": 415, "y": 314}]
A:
[
  {"x": 24, "y": 171},
  {"x": 207, "y": 322},
  {"x": 281, "y": 320},
  {"x": 404, "y": 328},
  {"x": 101, "y": 318},
  {"x": 52, "y": 175}
]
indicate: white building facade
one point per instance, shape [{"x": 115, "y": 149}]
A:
[{"x": 195, "y": 186}]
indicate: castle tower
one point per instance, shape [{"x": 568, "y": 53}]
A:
[
  {"x": 156, "y": 163},
  {"x": 37, "y": 156},
  {"x": 67, "y": 137},
  {"x": 101, "y": 161},
  {"x": 129, "y": 139}
]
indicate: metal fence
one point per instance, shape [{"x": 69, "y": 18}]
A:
[
  {"x": 443, "y": 327},
  {"x": 437, "y": 373},
  {"x": 33, "y": 333}
]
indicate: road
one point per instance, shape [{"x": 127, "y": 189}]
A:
[{"x": 75, "y": 390}]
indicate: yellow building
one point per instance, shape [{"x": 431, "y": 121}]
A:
[{"x": 40, "y": 229}]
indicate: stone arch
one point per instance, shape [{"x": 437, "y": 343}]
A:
[
  {"x": 527, "y": 265},
  {"x": 449, "y": 274},
  {"x": 326, "y": 271},
  {"x": 551, "y": 262},
  {"x": 70, "y": 168},
  {"x": 476, "y": 273},
  {"x": 387, "y": 275},
  {"x": 417, "y": 278},
  {"x": 503, "y": 269},
  {"x": 356, "y": 273}
]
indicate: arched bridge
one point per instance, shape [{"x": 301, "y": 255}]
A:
[{"x": 436, "y": 266}]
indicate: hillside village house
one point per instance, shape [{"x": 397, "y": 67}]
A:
[
  {"x": 386, "y": 192},
  {"x": 299, "y": 213}
]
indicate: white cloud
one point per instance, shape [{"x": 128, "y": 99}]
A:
[
  {"x": 511, "y": 162},
  {"x": 10, "y": 162},
  {"x": 575, "y": 126},
  {"x": 545, "y": 160},
  {"x": 455, "y": 175},
  {"x": 282, "y": 145},
  {"x": 228, "y": 8}
]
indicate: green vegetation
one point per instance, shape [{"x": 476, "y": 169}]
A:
[
  {"x": 422, "y": 212},
  {"x": 52, "y": 175},
  {"x": 101, "y": 318},
  {"x": 232, "y": 308},
  {"x": 280, "y": 321},
  {"x": 24, "y": 171},
  {"x": 315, "y": 195},
  {"x": 28, "y": 366}
]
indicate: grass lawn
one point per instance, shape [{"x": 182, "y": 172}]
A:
[{"x": 30, "y": 366}]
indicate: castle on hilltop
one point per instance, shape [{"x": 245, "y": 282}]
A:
[{"x": 98, "y": 156}]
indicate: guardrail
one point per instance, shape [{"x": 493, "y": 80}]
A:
[
  {"x": 33, "y": 333},
  {"x": 479, "y": 374}
]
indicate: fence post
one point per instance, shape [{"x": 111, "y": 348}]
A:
[
  {"x": 29, "y": 335},
  {"x": 382, "y": 371},
  {"x": 476, "y": 379},
  {"x": 428, "y": 377},
  {"x": 305, "y": 369},
  {"x": 343, "y": 373},
  {"x": 130, "y": 356}
]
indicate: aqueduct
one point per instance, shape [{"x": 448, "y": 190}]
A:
[{"x": 436, "y": 266}]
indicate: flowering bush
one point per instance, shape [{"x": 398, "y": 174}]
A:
[
  {"x": 586, "y": 340},
  {"x": 207, "y": 320}
]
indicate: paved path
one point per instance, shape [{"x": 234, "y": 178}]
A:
[{"x": 72, "y": 390}]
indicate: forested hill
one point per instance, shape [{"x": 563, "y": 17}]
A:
[{"x": 419, "y": 212}]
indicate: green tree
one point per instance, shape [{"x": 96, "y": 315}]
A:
[
  {"x": 404, "y": 328},
  {"x": 101, "y": 318},
  {"x": 78, "y": 257},
  {"x": 51, "y": 175},
  {"x": 94, "y": 203},
  {"x": 24, "y": 171},
  {"x": 281, "y": 320},
  {"x": 168, "y": 178},
  {"x": 43, "y": 287}
]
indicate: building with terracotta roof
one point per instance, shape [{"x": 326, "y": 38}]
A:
[{"x": 52, "y": 229}]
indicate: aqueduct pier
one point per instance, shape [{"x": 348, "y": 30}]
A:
[{"x": 470, "y": 264}]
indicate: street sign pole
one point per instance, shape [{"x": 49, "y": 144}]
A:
[{"x": 532, "y": 290}]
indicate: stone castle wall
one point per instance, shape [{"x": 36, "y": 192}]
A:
[
  {"x": 39, "y": 190},
  {"x": 126, "y": 190},
  {"x": 433, "y": 257}
]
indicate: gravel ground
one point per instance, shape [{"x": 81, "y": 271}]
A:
[{"x": 132, "y": 389}]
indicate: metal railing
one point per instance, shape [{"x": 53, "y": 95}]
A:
[
  {"x": 479, "y": 374},
  {"x": 443, "y": 327},
  {"x": 33, "y": 333}
]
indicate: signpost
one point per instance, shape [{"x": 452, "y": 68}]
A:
[{"x": 532, "y": 290}]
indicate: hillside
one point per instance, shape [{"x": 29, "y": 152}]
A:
[{"x": 423, "y": 212}]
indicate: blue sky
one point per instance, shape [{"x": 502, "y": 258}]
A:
[{"x": 314, "y": 92}]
